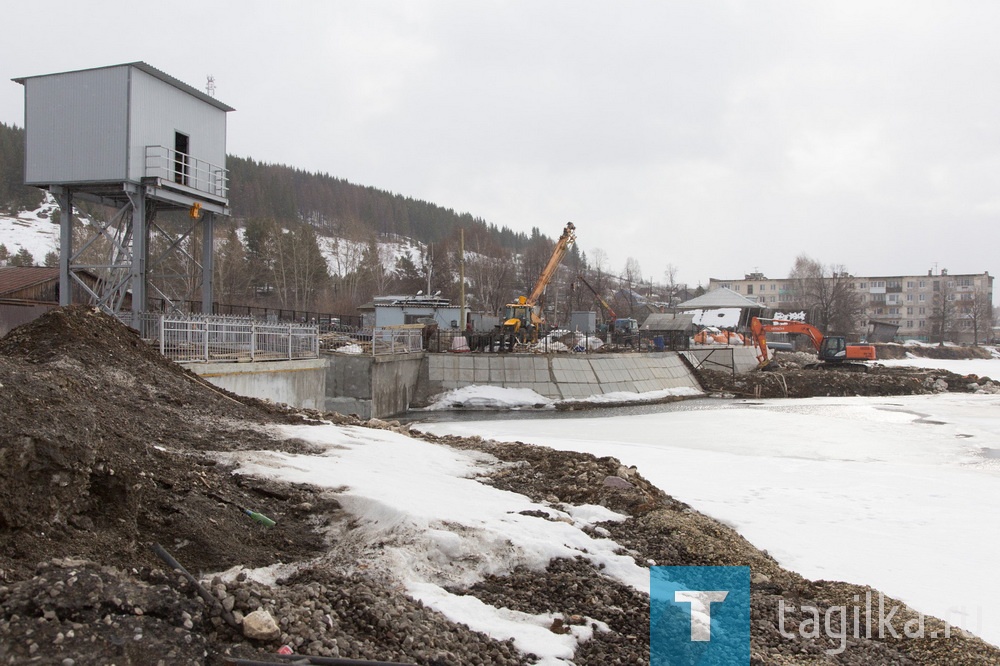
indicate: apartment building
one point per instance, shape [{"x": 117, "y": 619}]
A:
[{"x": 907, "y": 301}]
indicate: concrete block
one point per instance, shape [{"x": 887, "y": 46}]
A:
[
  {"x": 466, "y": 375},
  {"x": 481, "y": 375}
]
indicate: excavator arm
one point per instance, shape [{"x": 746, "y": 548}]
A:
[{"x": 836, "y": 352}]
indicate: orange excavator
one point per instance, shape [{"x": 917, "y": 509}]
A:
[
  {"x": 832, "y": 349},
  {"x": 523, "y": 319}
]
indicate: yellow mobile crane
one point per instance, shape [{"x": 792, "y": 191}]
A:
[{"x": 523, "y": 319}]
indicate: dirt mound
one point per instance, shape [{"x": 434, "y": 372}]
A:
[{"x": 101, "y": 443}]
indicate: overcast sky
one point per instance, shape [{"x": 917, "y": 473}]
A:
[{"x": 721, "y": 137}]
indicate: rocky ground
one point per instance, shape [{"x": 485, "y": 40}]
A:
[
  {"x": 796, "y": 375},
  {"x": 106, "y": 448}
]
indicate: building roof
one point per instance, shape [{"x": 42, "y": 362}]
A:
[
  {"x": 152, "y": 71},
  {"x": 668, "y": 322},
  {"x": 720, "y": 298},
  {"x": 16, "y": 278}
]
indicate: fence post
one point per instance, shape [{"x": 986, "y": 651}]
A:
[
  {"x": 253, "y": 340},
  {"x": 290, "y": 342},
  {"x": 163, "y": 342}
]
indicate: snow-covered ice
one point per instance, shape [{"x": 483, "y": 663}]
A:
[
  {"x": 983, "y": 367},
  {"x": 900, "y": 493},
  {"x": 478, "y": 396}
]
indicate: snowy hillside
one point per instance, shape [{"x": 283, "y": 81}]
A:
[
  {"x": 36, "y": 232},
  {"x": 32, "y": 231}
]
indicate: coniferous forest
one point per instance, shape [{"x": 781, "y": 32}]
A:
[{"x": 311, "y": 241}]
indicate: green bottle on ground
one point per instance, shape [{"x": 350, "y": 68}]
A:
[{"x": 260, "y": 518}]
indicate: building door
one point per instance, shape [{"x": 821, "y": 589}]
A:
[{"x": 181, "y": 150}]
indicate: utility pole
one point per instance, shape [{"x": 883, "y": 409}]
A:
[{"x": 461, "y": 278}]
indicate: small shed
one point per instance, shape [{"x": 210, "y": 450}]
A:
[
  {"x": 28, "y": 292},
  {"x": 121, "y": 124},
  {"x": 723, "y": 299},
  {"x": 675, "y": 329},
  {"x": 399, "y": 310},
  {"x": 881, "y": 331}
]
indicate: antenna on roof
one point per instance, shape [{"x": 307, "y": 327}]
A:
[{"x": 210, "y": 86}]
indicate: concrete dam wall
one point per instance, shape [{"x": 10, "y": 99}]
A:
[
  {"x": 383, "y": 386},
  {"x": 560, "y": 377}
]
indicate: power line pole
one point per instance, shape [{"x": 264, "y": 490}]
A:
[{"x": 461, "y": 278}]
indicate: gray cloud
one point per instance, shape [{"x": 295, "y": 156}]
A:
[{"x": 718, "y": 136}]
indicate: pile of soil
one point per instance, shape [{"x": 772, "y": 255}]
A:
[
  {"x": 103, "y": 447},
  {"x": 799, "y": 375},
  {"x": 107, "y": 448}
]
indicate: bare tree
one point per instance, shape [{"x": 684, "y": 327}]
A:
[
  {"x": 981, "y": 315},
  {"x": 943, "y": 315},
  {"x": 489, "y": 278},
  {"x": 825, "y": 292},
  {"x": 631, "y": 277},
  {"x": 379, "y": 264}
]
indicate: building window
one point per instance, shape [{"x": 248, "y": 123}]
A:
[
  {"x": 894, "y": 311},
  {"x": 877, "y": 284},
  {"x": 773, "y": 286},
  {"x": 923, "y": 297},
  {"x": 909, "y": 310},
  {"x": 923, "y": 284},
  {"x": 893, "y": 283},
  {"x": 864, "y": 285},
  {"x": 965, "y": 282},
  {"x": 910, "y": 284},
  {"x": 909, "y": 323},
  {"x": 878, "y": 310},
  {"x": 749, "y": 289},
  {"x": 921, "y": 311}
]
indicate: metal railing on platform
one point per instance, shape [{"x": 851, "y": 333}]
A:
[
  {"x": 183, "y": 169},
  {"x": 194, "y": 338}
]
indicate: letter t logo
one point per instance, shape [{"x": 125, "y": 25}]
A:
[{"x": 701, "y": 610}]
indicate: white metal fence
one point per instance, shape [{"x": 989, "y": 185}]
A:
[
  {"x": 192, "y": 338},
  {"x": 375, "y": 342}
]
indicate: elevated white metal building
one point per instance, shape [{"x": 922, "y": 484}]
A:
[{"x": 134, "y": 138}]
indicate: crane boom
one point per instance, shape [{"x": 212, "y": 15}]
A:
[
  {"x": 604, "y": 304},
  {"x": 562, "y": 247},
  {"x": 524, "y": 317}
]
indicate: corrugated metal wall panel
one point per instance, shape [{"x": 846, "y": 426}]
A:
[
  {"x": 76, "y": 126},
  {"x": 159, "y": 110}
]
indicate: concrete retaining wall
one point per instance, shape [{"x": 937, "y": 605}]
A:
[
  {"x": 384, "y": 386},
  {"x": 556, "y": 377},
  {"x": 299, "y": 383}
]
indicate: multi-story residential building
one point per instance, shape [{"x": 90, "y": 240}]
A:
[{"x": 911, "y": 302}]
